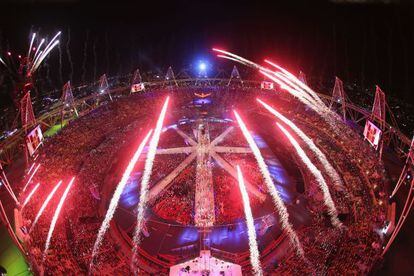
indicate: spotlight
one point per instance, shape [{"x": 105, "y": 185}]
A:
[{"x": 202, "y": 66}]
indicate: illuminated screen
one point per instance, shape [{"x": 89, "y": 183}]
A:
[
  {"x": 34, "y": 139},
  {"x": 137, "y": 87},
  {"x": 372, "y": 133},
  {"x": 267, "y": 85}
]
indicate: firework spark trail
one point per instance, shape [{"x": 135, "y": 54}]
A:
[
  {"x": 300, "y": 94},
  {"x": 312, "y": 99},
  {"x": 44, "y": 205},
  {"x": 31, "y": 168},
  {"x": 38, "y": 52},
  {"x": 297, "y": 81},
  {"x": 318, "y": 175},
  {"x": 115, "y": 198},
  {"x": 2, "y": 61},
  {"x": 251, "y": 231},
  {"x": 52, "y": 41},
  {"x": 232, "y": 59},
  {"x": 44, "y": 55},
  {"x": 280, "y": 206},
  {"x": 293, "y": 92},
  {"x": 306, "y": 95},
  {"x": 31, "y": 177},
  {"x": 30, "y": 46},
  {"x": 321, "y": 110},
  {"x": 333, "y": 174},
  {"x": 30, "y": 195},
  {"x": 145, "y": 180},
  {"x": 242, "y": 60},
  {"x": 55, "y": 217}
]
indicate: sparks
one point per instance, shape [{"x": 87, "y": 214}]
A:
[
  {"x": 44, "y": 205},
  {"x": 280, "y": 206},
  {"x": 31, "y": 44},
  {"x": 31, "y": 168},
  {"x": 251, "y": 231},
  {"x": 117, "y": 194},
  {"x": 333, "y": 174},
  {"x": 55, "y": 217},
  {"x": 41, "y": 55},
  {"x": 318, "y": 175},
  {"x": 292, "y": 91},
  {"x": 44, "y": 55},
  {"x": 296, "y": 81},
  {"x": 38, "y": 52},
  {"x": 145, "y": 180},
  {"x": 31, "y": 177},
  {"x": 288, "y": 82},
  {"x": 30, "y": 195},
  {"x": 2, "y": 61}
]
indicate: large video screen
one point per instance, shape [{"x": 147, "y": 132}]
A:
[
  {"x": 34, "y": 139},
  {"x": 267, "y": 85},
  {"x": 372, "y": 133},
  {"x": 137, "y": 87}
]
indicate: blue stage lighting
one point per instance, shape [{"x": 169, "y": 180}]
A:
[{"x": 202, "y": 66}]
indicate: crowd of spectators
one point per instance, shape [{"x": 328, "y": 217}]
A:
[{"x": 89, "y": 149}]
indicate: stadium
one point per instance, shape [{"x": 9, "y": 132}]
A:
[{"x": 193, "y": 175}]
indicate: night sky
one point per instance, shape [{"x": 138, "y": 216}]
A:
[{"x": 367, "y": 42}]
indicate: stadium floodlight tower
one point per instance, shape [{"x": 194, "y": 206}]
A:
[
  {"x": 378, "y": 115},
  {"x": 26, "y": 112},
  {"x": 170, "y": 80},
  {"x": 104, "y": 86},
  {"x": 235, "y": 77},
  {"x": 68, "y": 102},
  {"x": 338, "y": 97},
  {"x": 28, "y": 119},
  {"x": 137, "y": 84}
]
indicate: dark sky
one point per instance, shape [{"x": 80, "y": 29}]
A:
[{"x": 368, "y": 42}]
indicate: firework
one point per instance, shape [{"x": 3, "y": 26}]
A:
[
  {"x": 333, "y": 174},
  {"x": 117, "y": 194},
  {"x": 30, "y": 194},
  {"x": 280, "y": 206},
  {"x": 145, "y": 179},
  {"x": 318, "y": 176},
  {"x": 56, "y": 216},
  {"x": 44, "y": 205},
  {"x": 31, "y": 177},
  {"x": 251, "y": 231}
]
